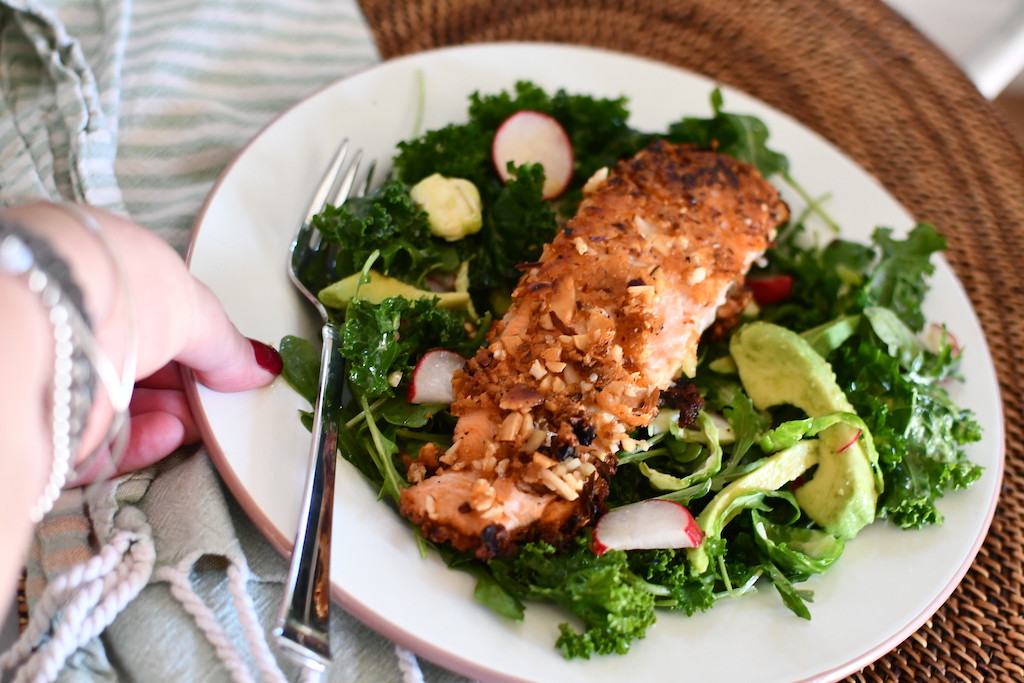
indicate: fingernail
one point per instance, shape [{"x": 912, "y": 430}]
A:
[{"x": 267, "y": 357}]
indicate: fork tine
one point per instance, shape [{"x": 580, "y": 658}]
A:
[
  {"x": 347, "y": 180},
  {"x": 327, "y": 182},
  {"x": 312, "y": 261},
  {"x": 306, "y": 245},
  {"x": 368, "y": 181}
]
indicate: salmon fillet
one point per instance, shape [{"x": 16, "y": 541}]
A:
[{"x": 598, "y": 328}]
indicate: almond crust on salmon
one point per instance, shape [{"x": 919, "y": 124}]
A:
[{"x": 598, "y": 328}]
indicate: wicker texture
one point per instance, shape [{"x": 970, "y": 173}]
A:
[{"x": 864, "y": 78}]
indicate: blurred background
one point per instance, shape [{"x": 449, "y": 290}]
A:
[{"x": 986, "y": 38}]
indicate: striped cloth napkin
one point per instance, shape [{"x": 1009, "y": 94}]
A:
[{"x": 136, "y": 107}]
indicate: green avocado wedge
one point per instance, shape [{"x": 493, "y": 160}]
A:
[
  {"x": 778, "y": 367},
  {"x": 776, "y": 471},
  {"x": 380, "y": 287}
]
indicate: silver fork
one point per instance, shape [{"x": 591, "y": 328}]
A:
[{"x": 303, "y": 627}]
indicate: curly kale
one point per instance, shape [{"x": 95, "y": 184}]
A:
[
  {"x": 615, "y": 605},
  {"x": 389, "y": 222}
]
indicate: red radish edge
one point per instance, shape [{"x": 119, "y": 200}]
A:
[
  {"x": 534, "y": 137},
  {"x": 934, "y": 334},
  {"x": 646, "y": 525},
  {"x": 432, "y": 377},
  {"x": 770, "y": 289},
  {"x": 856, "y": 435}
]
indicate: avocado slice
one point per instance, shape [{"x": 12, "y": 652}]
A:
[
  {"x": 775, "y": 471},
  {"x": 380, "y": 287},
  {"x": 776, "y": 367}
]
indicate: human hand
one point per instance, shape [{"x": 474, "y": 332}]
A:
[{"x": 177, "y": 322}]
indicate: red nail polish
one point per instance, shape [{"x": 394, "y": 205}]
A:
[{"x": 267, "y": 357}]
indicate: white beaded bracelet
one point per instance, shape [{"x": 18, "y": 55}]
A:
[
  {"x": 47, "y": 275},
  {"x": 79, "y": 362}
]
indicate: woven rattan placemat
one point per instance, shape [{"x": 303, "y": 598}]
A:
[{"x": 861, "y": 76}]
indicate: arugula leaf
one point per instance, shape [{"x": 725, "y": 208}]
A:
[
  {"x": 793, "y": 598},
  {"x": 741, "y": 136},
  {"x": 382, "y": 451},
  {"x": 488, "y": 590},
  {"x": 826, "y": 281},
  {"x": 727, "y": 396}
]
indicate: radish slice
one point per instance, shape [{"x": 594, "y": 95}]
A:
[
  {"x": 933, "y": 336},
  {"x": 770, "y": 289},
  {"x": 856, "y": 435},
  {"x": 432, "y": 377},
  {"x": 532, "y": 137},
  {"x": 646, "y": 525}
]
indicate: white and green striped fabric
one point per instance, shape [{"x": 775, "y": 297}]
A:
[{"x": 137, "y": 106}]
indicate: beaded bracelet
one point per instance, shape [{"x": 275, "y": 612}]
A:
[
  {"x": 47, "y": 275},
  {"x": 80, "y": 364}
]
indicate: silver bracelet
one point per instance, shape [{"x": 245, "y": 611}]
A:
[
  {"x": 25, "y": 255},
  {"x": 118, "y": 384}
]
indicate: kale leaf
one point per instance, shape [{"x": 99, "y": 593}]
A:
[
  {"x": 387, "y": 221},
  {"x": 597, "y": 127},
  {"x": 379, "y": 339},
  {"x": 615, "y": 605},
  {"x": 515, "y": 230},
  {"x": 918, "y": 431},
  {"x": 899, "y": 281},
  {"x": 454, "y": 151}
]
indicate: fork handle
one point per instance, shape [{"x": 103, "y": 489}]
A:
[{"x": 303, "y": 628}]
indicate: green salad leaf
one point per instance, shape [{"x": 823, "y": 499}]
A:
[
  {"x": 615, "y": 605},
  {"x": 899, "y": 281},
  {"x": 387, "y": 222},
  {"x": 741, "y": 136},
  {"x": 380, "y": 339}
]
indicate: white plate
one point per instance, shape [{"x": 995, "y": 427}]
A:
[{"x": 886, "y": 585}]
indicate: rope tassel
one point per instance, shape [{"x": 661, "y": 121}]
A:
[{"x": 77, "y": 605}]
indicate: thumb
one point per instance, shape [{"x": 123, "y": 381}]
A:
[{"x": 221, "y": 357}]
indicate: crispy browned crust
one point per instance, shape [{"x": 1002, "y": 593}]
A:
[{"x": 604, "y": 322}]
